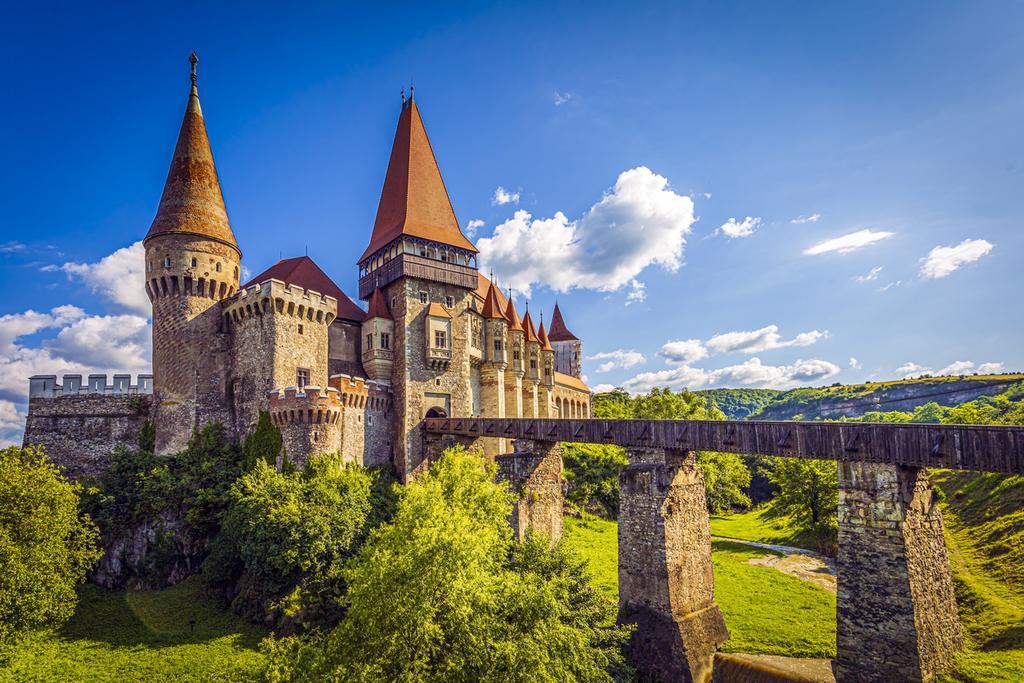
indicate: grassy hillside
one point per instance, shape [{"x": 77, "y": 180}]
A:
[
  {"x": 853, "y": 400},
  {"x": 142, "y": 636}
]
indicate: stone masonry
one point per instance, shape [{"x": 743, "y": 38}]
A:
[
  {"x": 666, "y": 581},
  {"x": 534, "y": 474},
  {"x": 896, "y": 611}
]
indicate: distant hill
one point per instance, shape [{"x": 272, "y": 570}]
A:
[{"x": 853, "y": 400}]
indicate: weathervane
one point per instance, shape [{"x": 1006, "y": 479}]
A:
[{"x": 193, "y": 60}]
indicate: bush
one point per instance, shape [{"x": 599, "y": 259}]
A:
[
  {"x": 439, "y": 594},
  {"x": 809, "y": 496},
  {"x": 592, "y": 473},
  {"x": 46, "y": 545}
]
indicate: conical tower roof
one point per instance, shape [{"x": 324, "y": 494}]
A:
[
  {"x": 414, "y": 200},
  {"x": 545, "y": 343},
  {"x": 514, "y": 323},
  {"x": 492, "y": 307},
  {"x": 559, "y": 332},
  {"x": 192, "y": 202},
  {"x": 378, "y": 306},
  {"x": 529, "y": 329}
]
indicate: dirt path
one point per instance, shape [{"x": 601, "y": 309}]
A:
[{"x": 803, "y": 564}]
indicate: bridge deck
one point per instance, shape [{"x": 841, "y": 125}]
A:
[{"x": 967, "y": 447}]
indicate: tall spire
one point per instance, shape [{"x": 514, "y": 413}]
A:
[
  {"x": 192, "y": 202},
  {"x": 559, "y": 332},
  {"x": 414, "y": 200}
]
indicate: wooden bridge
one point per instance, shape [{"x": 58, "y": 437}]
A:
[{"x": 896, "y": 615}]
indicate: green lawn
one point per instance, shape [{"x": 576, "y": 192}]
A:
[
  {"x": 142, "y": 636},
  {"x": 756, "y": 525},
  {"x": 766, "y": 611}
]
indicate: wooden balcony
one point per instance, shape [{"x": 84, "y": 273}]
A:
[{"x": 420, "y": 267}]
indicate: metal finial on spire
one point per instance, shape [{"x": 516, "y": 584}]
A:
[
  {"x": 403, "y": 96},
  {"x": 412, "y": 90},
  {"x": 193, "y": 60}
]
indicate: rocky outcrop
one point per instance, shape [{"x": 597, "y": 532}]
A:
[{"x": 148, "y": 555}]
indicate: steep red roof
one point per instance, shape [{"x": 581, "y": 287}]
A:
[
  {"x": 559, "y": 332},
  {"x": 492, "y": 308},
  {"x": 192, "y": 202},
  {"x": 545, "y": 343},
  {"x": 414, "y": 200},
  {"x": 514, "y": 323},
  {"x": 531, "y": 331},
  {"x": 378, "y": 306},
  {"x": 483, "y": 284},
  {"x": 302, "y": 272}
]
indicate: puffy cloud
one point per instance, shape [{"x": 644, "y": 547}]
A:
[
  {"x": 13, "y": 326},
  {"x": 562, "y": 98},
  {"x": 855, "y": 364},
  {"x": 959, "y": 367},
  {"x": 911, "y": 369},
  {"x": 502, "y": 197},
  {"x": 637, "y": 223},
  {"x": 119, "y": 277},
  {"x": 744, "y": 228},
  {"x": 472, "y": 226},
  {"x": 752, "y": 373},
  {"x": 887, "y": 287},
  {"x": 941, "y": 261},
  {"x": 991, "y": 368},
  {"x": 683, "y": 351},
  {"x": 617, "y": 359},
  {"x": 848, "y": 242},
  {"x": 761, "y": 340},
  {"x": 812, "y": 218},
  {"x": 637, "y": 292},
  {"x": 871, "y": 276},
  {"x": 603, "y": 388}
]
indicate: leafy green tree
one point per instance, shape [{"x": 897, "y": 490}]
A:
[
  {"x": 726, "y": 476},
  {"x": 809, "y": 496},
  {"x": 930, "y": 412},
  {"x": 203, "y": 474},
  {"x": 147, "y": 437},
  {"x": 592, "y": 472},
  {"x": 438, "y": 594},
  {"x": 290, "y": 534},
  {"x": 263, "y": 443},
  {"x": 46, "y": 545}
]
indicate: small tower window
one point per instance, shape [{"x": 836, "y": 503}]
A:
[
  {"x": 194, "y": 263},
  {"x": 236, "y": 272},
  {"x": 385, "y": 340},
  {"x": 218, "y": 266},
  {"x": 369, "y": 342},
  {"x": 167, "y": 262},
  {"x": 423, "y": 297},
  {"x": 300, "y": 328},
  {"x": 440, "y": 339},
  {"x": 449, "y": 301},
  {"x": 301, "y": 377}
]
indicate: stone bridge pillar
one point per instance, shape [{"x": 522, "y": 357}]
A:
[
  {"x": 666, "y": 582},
  {"x": 534, "y": 473},
  {"x": 434, "y": 446},
  {"x": 896, "y": 613}
]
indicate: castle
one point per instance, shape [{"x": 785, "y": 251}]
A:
[{"x": 437, "y": 339}]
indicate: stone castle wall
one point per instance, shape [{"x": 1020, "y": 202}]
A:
[
  {"x": 310, "y": 421},
  {"x": 78, "y": 432}
]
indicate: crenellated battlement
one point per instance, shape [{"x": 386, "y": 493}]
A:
[
  {"x": 173, "y": 286},
  {"x": 362, "y": 394},
  {"x": 274, "y": 297},
  {"x": 46, "y": 386},
  {"x": 310, "y": 406}
]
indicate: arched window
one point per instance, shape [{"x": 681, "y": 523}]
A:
[
  {"x": 167, "y": 262},
  {"x": 218, "y": 266},
  {"x": 236, "y": 272},
  {"x": 194, "y": 263}
]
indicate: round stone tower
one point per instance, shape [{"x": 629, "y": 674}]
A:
[{"x": 192, "y": 263}]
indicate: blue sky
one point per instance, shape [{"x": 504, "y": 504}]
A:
[{"x": 628, "y": 135}]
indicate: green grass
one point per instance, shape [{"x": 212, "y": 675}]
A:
[
  {"x": 142, "y": 636},
  {"x": 767, "y": 612},
  {"x": 756, "y": 525}
]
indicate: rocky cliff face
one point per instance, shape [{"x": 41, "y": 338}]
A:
[{"x": 152, "y": 554}]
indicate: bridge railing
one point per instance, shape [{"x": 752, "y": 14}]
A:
[{"x": 985, "y": 448}]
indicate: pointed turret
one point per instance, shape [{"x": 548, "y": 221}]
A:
[
  {"x": 545, "y": 343},
  {"x": 492, "y": 307},
  {"x": 529, "y": 329},
  {"x": 414, "y": 201},
  {"x": 514, "y": 323},
  {"x": 192, "y": 202},
  {"x": 559, "y": 332},
  {"x": 378, "y": 306}
]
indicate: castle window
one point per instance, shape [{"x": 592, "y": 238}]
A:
[
  {"x": 300, "y": 329},
  {"x": 449, "y": 301},
  {"x": 423, "y": 297},
  {"x": 423, "y": 251},
  {"x": 167, "y": 262},
  {"x": 515, "y": 355},
  {"x": 369, "y": 342},
  {"x": 385, "y": 340},
  {"x": 369, "y": 419},
  {"x": 218, "y": 267},
  {"x": 444, "y": 256},
  {"x": 440, "y": 339},
  {"x": 497, "y": 345},
  {"x": 301, "y": 377},
  {"x": 236, "y": 272},
  {"x": 194, "y": 263},
  {"x": 533, "y": 363}
]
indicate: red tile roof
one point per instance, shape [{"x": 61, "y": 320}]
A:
[
  {"x": 559, "y": 332},
  {"x": 545, "y": 343},
  {"x": 414, "y": 200},
  {"x": 192, "y": 202},
  {"x": 514, "y": 323},
  {"x": 492, "y": 308},
  {"x": 302, "y": 272},
  {"x": 531, "y": 331},
  {"x": 378, "y": 306}
]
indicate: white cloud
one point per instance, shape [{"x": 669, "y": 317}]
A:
[
  {"x": 744, "y": 228},
  {"x": 991, "y": 368},
  {"x": 683, "y": 351},
  {"x": 848, "y": 242},
  {"x": 752, "y": 373},
  {"x": 871, "y": 276},
  {"x": 472, "y": 226},
  {"x": 707, "y": 195},
  {"x": 637, "y": 223},
  {"x": 618, "y": 359},
  {"x": 119, "y": 277},
  {"x": 16, "y": 325},
  {"x": 11, "y": 247},
  {"x": 887, "y": 287},
  {"x": 941, "y": 261},
  {"x": 603, "y": 388},
  {"x": 761, "y": 340},
  {"x": 812, "y": 218},
  {"x": 911, "y": 369},
  {"x": 502, "y": 197},
  {"x": 637, "y": 293},
  {"x": 855, "y": 364},
  {"x": 959, "y": 367},
  {"x": 562, "y": 98}
]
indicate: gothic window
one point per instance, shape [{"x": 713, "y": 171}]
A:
[
  {"x": 301, "y": 377},
  {"x": 515, "y": 355},
  {"x": 385, "y": 340},
  {"x": 440, "y": 339},
  {"x": 369, "y": 342},
  {"x": 533, "y": 361},
  {"x": 236, "y": 272},
  {"x": 444, "y": 256},
  {"x": 194, "y": 263},
  {"x": 497, "y": 344},
  {"x": 423, "y": 297}
]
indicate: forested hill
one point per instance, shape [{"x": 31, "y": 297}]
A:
[{"x": 854, "y": 400}]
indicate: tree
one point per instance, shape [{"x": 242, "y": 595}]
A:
[
  {"x": 726, "y": 476},
  {"x": 809, "y": 496},
  {"x": 592, "y": 472},
  {"x": 439, "y": 594},
  {"x": 46, "y": 545},
  {"x": 263, "y": 443}
]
